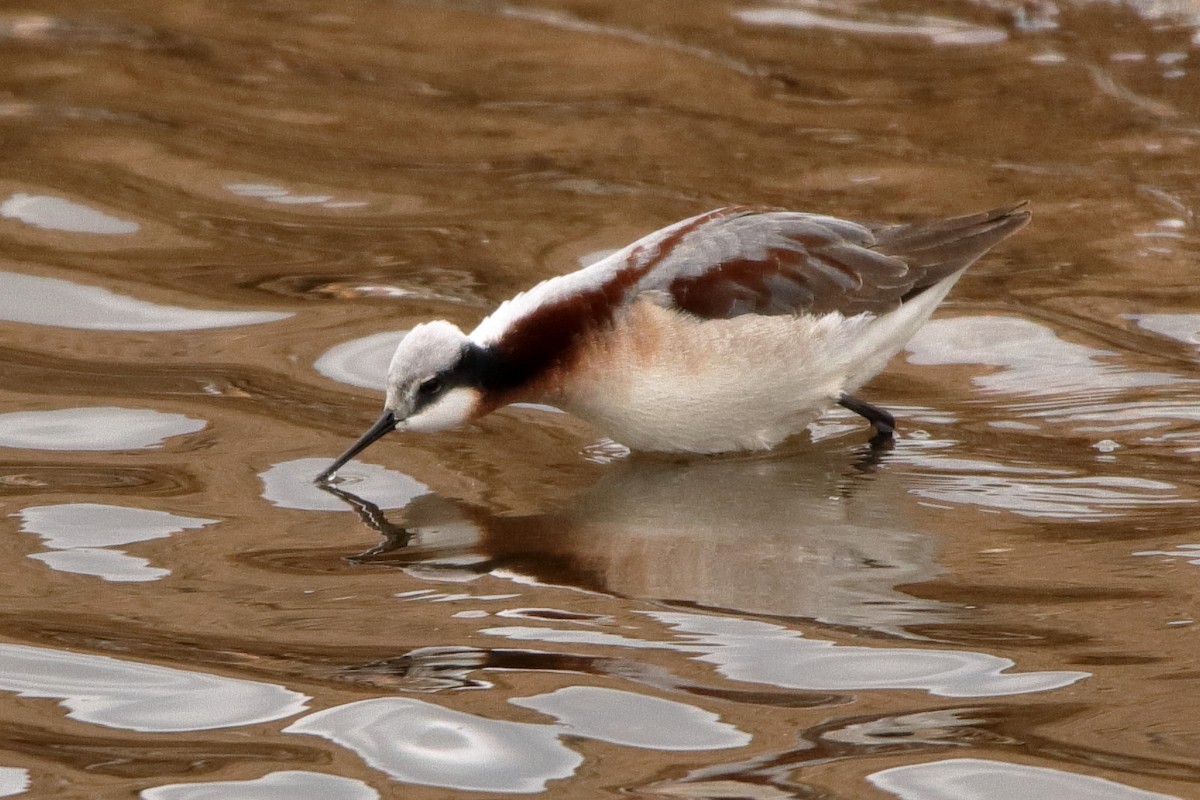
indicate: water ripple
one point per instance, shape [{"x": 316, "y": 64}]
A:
[
  {"x": 142, "y": 697},
  {"x": 938, "y": 30},
  {"x": 634, "y": 720},
  {"x": 286, "y": 785},
  {"x": 983, "y": 779},
  {"x": 36, "y": 300},
  {"x": 98, "y": 428},
  {"x": 418, "y": 742},
  {"x": 80, "y": 535},
  {"x": 13, "y": 780},
  {"x": 58, "y": 214},
  {"x": 761, "y": 652}
]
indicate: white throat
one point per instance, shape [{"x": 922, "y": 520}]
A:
[{"x": 451, "y": 409}]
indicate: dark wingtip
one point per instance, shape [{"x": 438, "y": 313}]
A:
[
  {"x": 1019, "y": 212},
  {"x": 1006, "y": 221},
  {"x": 948, "y": 245}
]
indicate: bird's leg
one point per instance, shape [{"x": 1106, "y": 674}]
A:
[{"x": 883, "y": 422}]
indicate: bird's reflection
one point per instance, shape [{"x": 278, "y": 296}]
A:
[{"x": 819, "y": 534}]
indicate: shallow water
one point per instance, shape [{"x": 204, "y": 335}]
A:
[{"x": 217, "y": 217}]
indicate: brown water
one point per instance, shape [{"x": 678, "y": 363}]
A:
[{"x": 216, "y": 216}]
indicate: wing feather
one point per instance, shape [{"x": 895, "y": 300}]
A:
[{"x": 748, "y": 261}]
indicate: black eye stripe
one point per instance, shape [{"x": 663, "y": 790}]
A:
[{"x": 470, "y": 370}]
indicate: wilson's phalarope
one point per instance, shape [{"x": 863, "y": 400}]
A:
[{"x": 731, "y": 330}]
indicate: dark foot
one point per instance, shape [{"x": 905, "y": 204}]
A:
[
  {"x": 871, "y": 457},
  {"x": 883, "y": 422}
]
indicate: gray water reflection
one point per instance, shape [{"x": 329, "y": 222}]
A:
[
  {"x": 283, "y": 196},
  {"x": 938, "y": 30},
  {"x": 796, "y": 537},
  {"x": 634, "y": 720},
  {"x": 81, "y": 533},
  {"x": 419, "y": 742},
  {"x": 36, "y": 300},
  {"x": 111, "y": 565},
  {"x": 285, "y": 785},
  {"x": 1181, "y": 327},
  {"x": 494, "y": 141},
  {"x": 1031, "y": 358},
  {"x": 983, "y": 779},
  {"x": 141, "y": 697},
  {"x": 1188, "y": 552},
  {"x": 13, "y": 781},
  {"x": 1044, "y": 384},
  {"x": 59, "y": 214},
  {"x": 69, "y": 525},
  {"x": 95, "y": 428},
  {"x": 360, "y": 362},
  {"x": 762, "y": 652},
  {"x": 1033, "y": 492}
]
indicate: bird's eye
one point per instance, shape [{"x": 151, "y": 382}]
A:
[{"x": 430, "y": 386}]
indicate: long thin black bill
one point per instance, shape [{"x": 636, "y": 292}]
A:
[{"x": 377, "y": 431}]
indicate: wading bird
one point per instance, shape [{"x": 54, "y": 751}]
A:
[{"x": 731, "y": 330}]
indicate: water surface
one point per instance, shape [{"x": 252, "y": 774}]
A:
[{"x": 218, "y": 218}]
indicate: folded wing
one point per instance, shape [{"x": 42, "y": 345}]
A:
[{"x": 748, "y": 261}]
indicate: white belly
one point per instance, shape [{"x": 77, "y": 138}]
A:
[{"x": 667, "y": 381}]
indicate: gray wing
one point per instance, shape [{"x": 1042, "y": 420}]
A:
[{"x": 739, "y": 260}]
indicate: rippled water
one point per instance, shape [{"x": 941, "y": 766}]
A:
[{"x": 217, "y": 219}]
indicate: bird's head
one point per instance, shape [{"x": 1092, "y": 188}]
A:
[{"x": 433, "y": 383}]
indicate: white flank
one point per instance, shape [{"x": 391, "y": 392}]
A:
[{"x": 666, "y": 381}]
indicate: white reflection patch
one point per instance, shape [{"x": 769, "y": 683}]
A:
[
  {"x": 70, "y": 525},
  {"x": 111, "y": 565},
  {"x": 289, "y": 484},
  {"x": 142, "y": 697},
  {"x": 762, "y": 652},
  {"x": 1190, "y": 552},
  {"x": 96, "y": 428},
  {"x": 360, "y": 362},
  {"x": 283, "y": 196},
  {"x": 418, "y": 742},
  {"x": 634, "y": 720},
  {"x": 35, "y": 300},
  {"x": 938, "y": 30},
  {"x": 287, "y": 785},
  {"x": 983, "y": 779},
  {"x": 57, "y": 214},
  {"x": 1181, "y": 327},
  {"x": 1034, "y": 361},
  {"x": 767, "y": 653},
  {"x": 13, "y": 780},
  {"x": 1093, "y": 497},
  {"x": 79, "y": 532}
]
